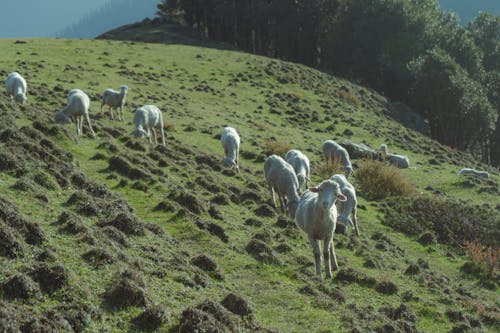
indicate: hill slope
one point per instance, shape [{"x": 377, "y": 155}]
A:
[{"x": 93, "y": 231}]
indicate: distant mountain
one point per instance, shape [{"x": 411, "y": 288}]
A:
[
  {"x": 468, "y": 9},
  {"x": 114, "y": 13}
]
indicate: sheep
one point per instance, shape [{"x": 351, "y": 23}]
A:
[
  {"x": 230, "y": 141},
  {"x": 146, "y": 119},
  {"x": 333, "y": 152},
  {"x": 474, "y": 172},
  {"x": 17, "y": 87},
  {"x": 301, "y": 165},
  {"x": 349, "y": 206},
  {"x": 281, "y": 178},
  {"x": 400, "y": 161},
  {"x": 115, "y": 99},
  {"x": 78, "y": 108},
  {"x": 317, "y": 216}
]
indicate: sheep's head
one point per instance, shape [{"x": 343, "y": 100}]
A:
[
  {"x": 21, "y": 98},
  {"x": 328, "y": 192},
  {"x": 140, "y": 133},
  {"x": 60, "y": 117},
  {"x": 348, "y": 171},
  {"x": 124, "y": 89}
]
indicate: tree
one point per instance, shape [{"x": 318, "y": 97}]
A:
[{"x": 458, "y": 110}]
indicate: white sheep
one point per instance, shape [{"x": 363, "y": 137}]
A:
[
  {"x": 17, "y": 87},
  {"x": 78, "y": 108},
  {"x": 115, "y": 99},
  {"x": 301, "y": 165},
  {"x": 317, "y": 216},
  {"x": 230, "y": 141},
  {"x": 351, "y": 205},
  {"x": 473, "y": 172},
  {"x": 333, "y": 152},
  {"x": 146, "y": 119},
  {"x": 281, "y": 178},
  {"x": 400, "y": 161}
]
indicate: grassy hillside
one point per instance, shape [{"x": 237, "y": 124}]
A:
[{"x": 111, "y": 234}]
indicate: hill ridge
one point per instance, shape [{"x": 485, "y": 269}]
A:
[{"x": 169, "y": 228}]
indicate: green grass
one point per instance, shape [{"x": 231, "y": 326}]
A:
[{"x": 167, "y": 75}]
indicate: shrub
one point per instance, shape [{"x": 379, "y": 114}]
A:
[
  {"x": 486, "y": 258},
  {"x": 277, "y": 147},
  {"x": 453, "y": 222},
  {"x": 168, "y": 125},
  {"x": 327, "y": 169},
  {"x": 378, "y": 180},
  {"x": 349, "y": 97}
]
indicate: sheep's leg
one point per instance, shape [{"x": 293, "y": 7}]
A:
[
  {"x": 111, "y": 113},
  {"x": 90, "y": 125},
  {"x": 317, "y": 254},
  {"x": 149, "y": 136},
  {"x": 121, "y": 114},
  {"x": 282, "y": 202},
  {"x": 272, "y": 196},
  {"x": 77, "y": 126},
  {"x": 326, "y": 257},
  {"x": 355, "y": 220},
  {"x": 154, "y": 135},
  {"x": 162, "y": 132},
  {"x": 102, "y": 106},
  {"x": 80, "y": 123},
  {"x": 333, "y": 257}
]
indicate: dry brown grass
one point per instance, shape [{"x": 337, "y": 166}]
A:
[
  {"x": 277, "y": 147},
  {"x": 378, "y": 180},
  {"x": 169, "y": 126},
  {"x": 488, "y": 258}
]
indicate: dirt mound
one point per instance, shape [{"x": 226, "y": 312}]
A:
[
  {"x": 10, "y": 215},
  {"x": 127, "y": 223},
  {"x": 205, "y": 263},
  {"x": 115, "y": 235},
  {"x": 19, "y": 287},
  {"x": 9, "y": 245},
  {"x": 265, "y": 210},
  {"x": 152, "y": 318},
  {"x": 128, "y": 290},
  {"x": 97, "y": 257},
  {"x": 214, "y": 229},
  {"x": 125, "y": 168},
  {"x": 237, "y": 305},
  {"x": 50, "y": 278},
  {"x": 262, "y": 252},
  {"x": 70, "y": 223},
  {"x": 209, "y": 316},
  {"x": 189, "y": 201}
]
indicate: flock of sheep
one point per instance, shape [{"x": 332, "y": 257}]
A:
[
  {"x": 146, "y": 118},
  {"x": 314, "y": 209}
]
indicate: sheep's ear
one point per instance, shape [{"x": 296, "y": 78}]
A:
[
  {"x": 314, "y": 189},
  {"x": 341, "y": 197}
]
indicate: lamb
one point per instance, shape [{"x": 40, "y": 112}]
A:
[
  {"x": 301, "y": 165},
  {"x": 349, "y": 206},
  {"x": 115, "y": 99},
  {"x": 281, "y": 178},
  {"x": 146, "y": 119},
  {"x": 17, "y": 87},
  {"x": 78, "y": 107},
  {"x": 399, "y": 161},
  {"x": 333, "y": 152},
  {"x": 474, "y": 172},
  {"x": 230, "y": 141},
  {"x": 317, "y": 216}
]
